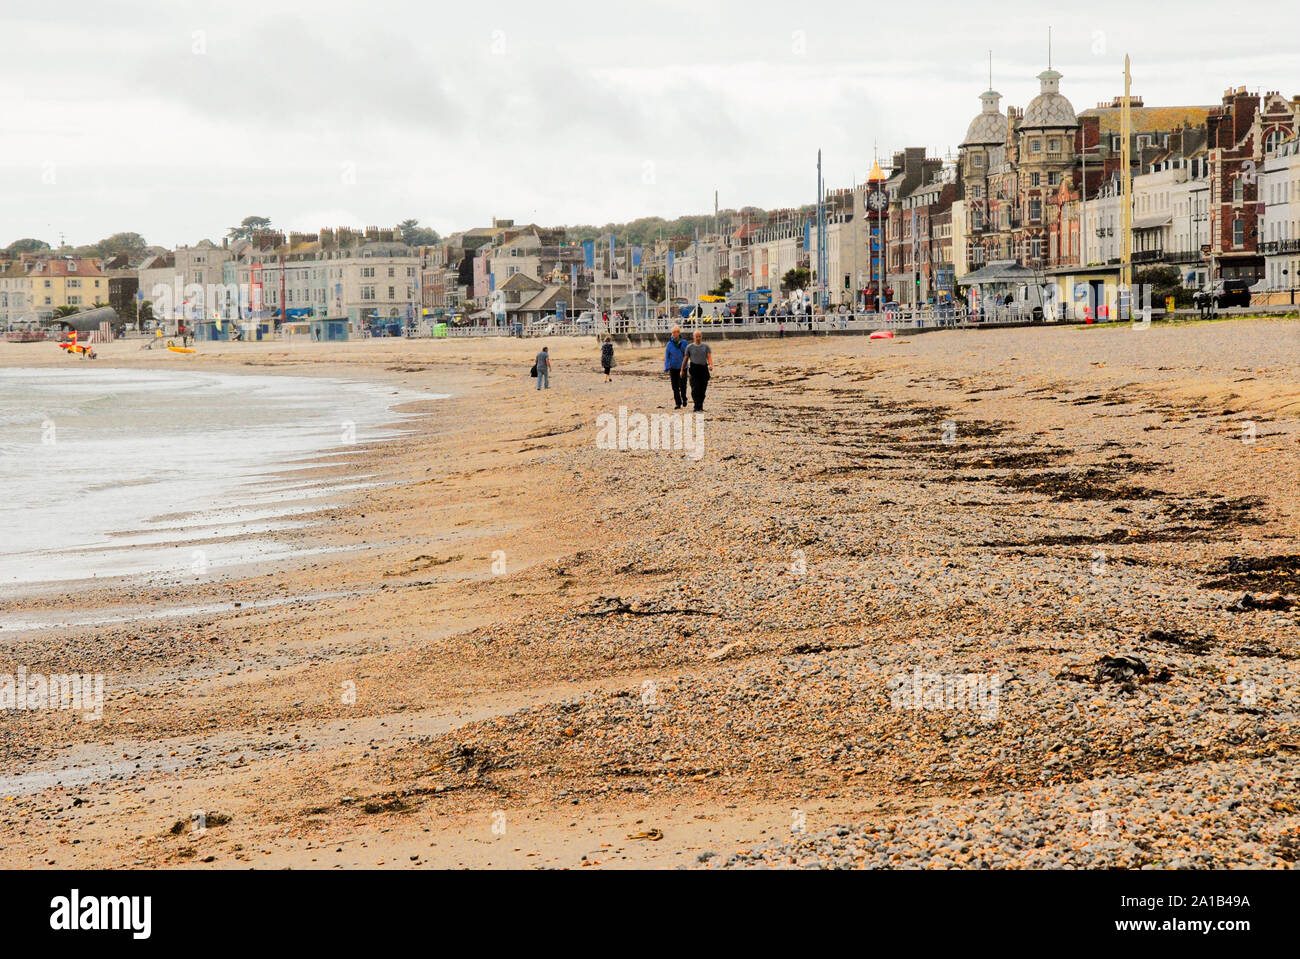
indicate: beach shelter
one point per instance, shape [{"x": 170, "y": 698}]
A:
[{"x": 326, "y": 330}]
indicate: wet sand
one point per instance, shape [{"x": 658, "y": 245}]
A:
[{"x": 521, "y": 649}]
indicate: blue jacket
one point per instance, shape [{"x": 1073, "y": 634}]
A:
[{"x": 675, "y": 354}]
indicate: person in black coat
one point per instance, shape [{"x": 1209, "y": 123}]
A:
[{"x": 607, "y": 356}]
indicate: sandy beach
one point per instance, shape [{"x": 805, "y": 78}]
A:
[{"x": 961, "y": 599}]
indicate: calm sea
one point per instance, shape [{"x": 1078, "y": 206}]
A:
[{"x": 107, "y": 472}]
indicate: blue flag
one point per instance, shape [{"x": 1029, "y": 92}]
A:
[
  {"x": 636, "y": 256},
  {"x": 611, "y": 254},
  {"x": 589, "y": 253}
]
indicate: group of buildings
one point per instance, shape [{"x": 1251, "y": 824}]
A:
[
  {"x": 1038, "y": 194},
  {"x": 1212, "y": 191}
]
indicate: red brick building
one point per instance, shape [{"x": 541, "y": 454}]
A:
[{"x": 1240, "y": 132}]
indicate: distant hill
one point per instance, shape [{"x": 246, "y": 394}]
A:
[{"x": 680, "y": 232}]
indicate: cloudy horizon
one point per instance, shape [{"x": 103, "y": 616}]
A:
[{"x": 178, "y": 123}]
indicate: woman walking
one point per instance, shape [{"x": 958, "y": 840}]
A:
[
  {"x": 607, "y": 356},
  {"x": 699, "y": 360}
]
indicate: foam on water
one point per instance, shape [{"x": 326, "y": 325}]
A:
[{"x": 92, "y": 458}]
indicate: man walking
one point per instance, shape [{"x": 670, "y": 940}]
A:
[
  {"x": 674, "y": 360},
  {"x": 544, "y": 369},
  {"x": 699, "y": 358}
]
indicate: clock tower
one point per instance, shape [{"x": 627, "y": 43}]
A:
[{"x": 875, "y": 200}]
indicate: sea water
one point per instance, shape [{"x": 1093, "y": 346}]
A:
[{"x": 110, "y": 472}]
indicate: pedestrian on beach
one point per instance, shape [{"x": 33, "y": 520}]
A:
[
  {"x": 699, "y": 358},
  {"x": 544, "y": 369},
  {"x": 607, "y": 356},
  {"x": 674, "y": 360}
]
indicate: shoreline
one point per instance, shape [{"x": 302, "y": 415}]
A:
[
  {"x": 274, "y": 499},
  {"x": 637, "y": 666}
]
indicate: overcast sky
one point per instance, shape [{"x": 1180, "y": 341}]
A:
[{"x": 177, "y": 120}]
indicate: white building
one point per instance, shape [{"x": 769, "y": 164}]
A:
[
  {"x": 15, "y": 294},
  {"x": 519, "y": 255},
  {"x": 1190, "y": 230},
  {"x": 774, "y": 250},
  {"x": 1105, "y": 226},
  {"x": 1279, "y": 227},
  {"x": 1153, "y": 215}
]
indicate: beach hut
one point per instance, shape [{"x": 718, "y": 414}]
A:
[{"x": 323, "y": 331}]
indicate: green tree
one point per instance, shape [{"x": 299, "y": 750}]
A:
[
  {"x": 130, "y": 243},
  {"x": 248, "y": 226},
  {"x": 62, "y": 311},
  {"x": 654, "y": 286},
  {"x": 797, "y": 278},
  {"x": 26, "y": 245},
  {"x": 723, "y": 288},
  {"x": 415, "y": 235},
  {"x": 1165, "y": 281}
]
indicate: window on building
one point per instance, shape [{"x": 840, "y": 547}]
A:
[
  {"x": 392, "y": 293},
  {"x": 1116, "y": 143},
  {"x": 977, "y": 160},
  {"x": 1054, "y": 145},
  {"x": 390, "y": 272},
  {"x": 74, "y": 301},
  {"x": 1238, "y": 190},
  {"x": 1238, "y": 232},
  {"x": 1035, "y": 210},
  {"x": 1054, "y": 179},
  {"x": 367, "y": 293},
  {"x": 1035, "y": 146},
  {"x": 1035, "y": 179},
  {"x": 1273, "y": 140}
]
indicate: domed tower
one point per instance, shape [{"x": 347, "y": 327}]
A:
[
  {"x": 1046, "y": 140},
  {"x": 982, "y": 149}
]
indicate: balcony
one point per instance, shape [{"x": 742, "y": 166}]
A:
[
  {"x": 1148, "y": 256},
  {"x": 1274, "y": 247},
  {"x": 1189, "y": 256}
]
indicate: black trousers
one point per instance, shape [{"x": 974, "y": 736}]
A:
[
  {"x": 699, "y": 384},
  {"x": 679, "y": 386}
]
